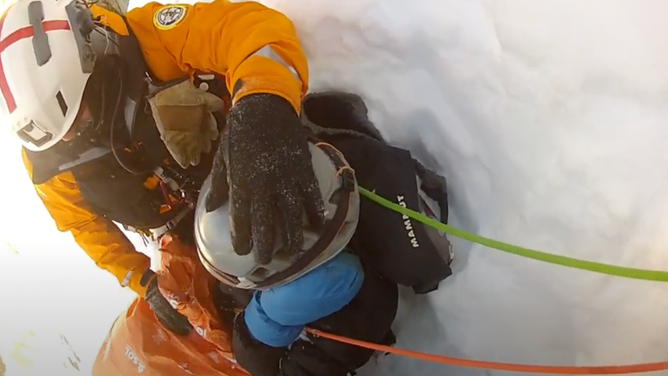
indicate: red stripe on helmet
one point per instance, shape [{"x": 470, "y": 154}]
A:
[{"x": 20, "y": 34}]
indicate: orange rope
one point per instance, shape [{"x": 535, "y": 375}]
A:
[{"x": 561, "y": 370}]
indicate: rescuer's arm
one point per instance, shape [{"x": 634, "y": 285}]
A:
[
  {"x": 106, "y": 244},
  {"x": 256, "y": 48},
  {"x": 266, "y": 72},
  {"x": 99, "y": 237}
]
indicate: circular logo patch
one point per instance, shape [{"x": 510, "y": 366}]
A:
[{"x": 169, "y": 16}]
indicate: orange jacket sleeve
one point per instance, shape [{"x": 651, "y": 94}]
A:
[
  {"x": 255, "y": 47},
  {"x": 97, "y": 236}
]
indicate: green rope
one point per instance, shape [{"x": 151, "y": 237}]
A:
[{"x": 597, "y": 267}]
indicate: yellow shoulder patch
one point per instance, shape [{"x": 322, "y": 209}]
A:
[{"x": 169, "y": 16}]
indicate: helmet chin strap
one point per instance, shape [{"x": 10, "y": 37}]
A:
[{"x": 116, "y": 111}]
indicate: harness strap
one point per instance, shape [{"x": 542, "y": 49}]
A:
[{"x": 156, "y": 233}]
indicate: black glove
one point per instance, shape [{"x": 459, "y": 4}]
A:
[
  {"x": 170, "y": 318},
  {"x": 255, "y": 357},
  {"x": 267, "y": 163}
]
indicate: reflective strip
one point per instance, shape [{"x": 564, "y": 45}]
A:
[
  {"x": 126, "y": 280},
  {"x": 204, "y": 85},
  {"x": 86, "y": 156},
  {"x": 269, "y": 53},
  {"x": 206, "y": 77}
]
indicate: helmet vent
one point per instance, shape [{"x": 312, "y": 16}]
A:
[
  {"x": 62, "y": 103},
  {"x": 40, "y": 41}
]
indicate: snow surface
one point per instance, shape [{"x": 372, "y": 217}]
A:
[
  {"x": 550, "y": 120},
  {"x": 49, "y": 287}
]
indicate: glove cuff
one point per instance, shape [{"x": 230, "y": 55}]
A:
[{"x": 146, "y": 278}]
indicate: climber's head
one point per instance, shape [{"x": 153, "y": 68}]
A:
[{"x": 342, "y": 201}]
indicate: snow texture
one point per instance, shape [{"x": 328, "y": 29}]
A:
[
  {"x": 549, "y": 118},
  {"x": 57, "y": 306}
]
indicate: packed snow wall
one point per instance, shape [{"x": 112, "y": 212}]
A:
[{"x": 550, "y": 120}]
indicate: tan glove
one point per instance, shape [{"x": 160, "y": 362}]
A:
[{"x": 183, "y": 114}]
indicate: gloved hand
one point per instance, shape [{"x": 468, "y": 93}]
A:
[
  {"x": 254, "y": 356},
  {"x": 169, "y": 317},
  {"x": 183, "y": 115},
  {"x": 267, "y": 163}
]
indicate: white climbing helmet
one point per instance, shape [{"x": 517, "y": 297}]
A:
[
  {"x": 46, "y": 61},
  {"x": 341, "y": 197}
]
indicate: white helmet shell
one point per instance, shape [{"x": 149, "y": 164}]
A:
[
  {"x": 342, "y": 201},
  {"x": 46, "y": 64}
]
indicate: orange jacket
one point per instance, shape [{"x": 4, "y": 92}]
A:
[
  {"x": 225, "y": 38},
  {"x": 138, "y": 345},
  {"x": 254, "y": 47}
]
